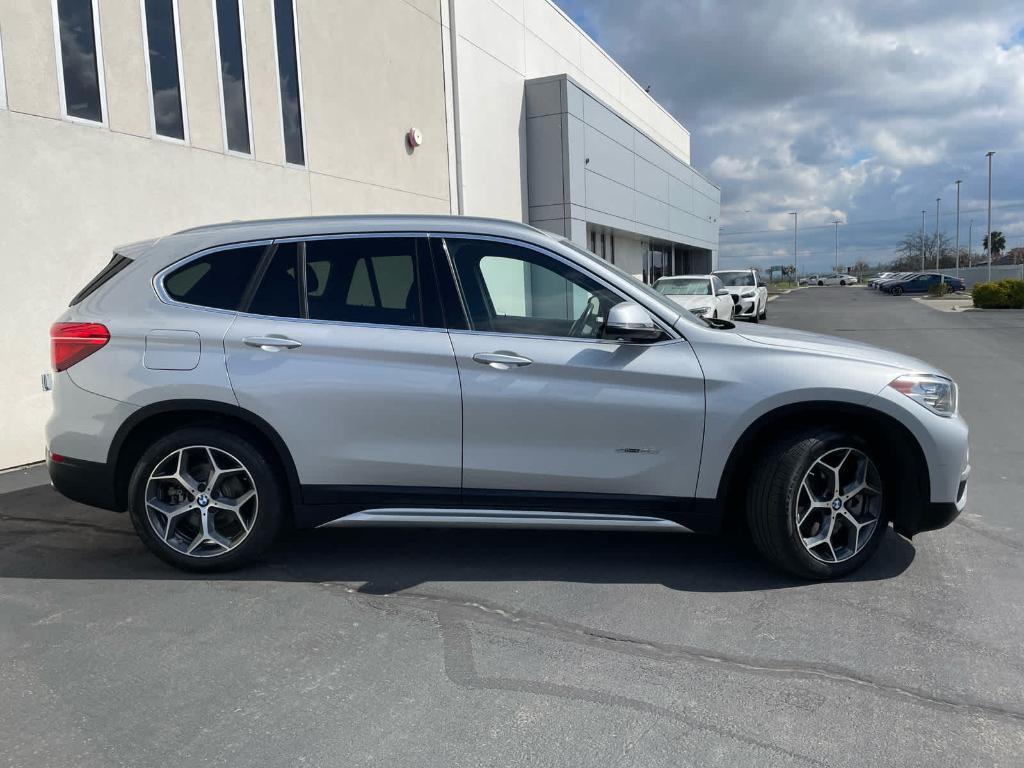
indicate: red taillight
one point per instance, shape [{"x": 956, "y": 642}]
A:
[{"x": 71, "y": 343}]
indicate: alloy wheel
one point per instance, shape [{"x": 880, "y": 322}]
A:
[
  {"x": 201, "y": 501},
  {"x": 838, "y": 505}
]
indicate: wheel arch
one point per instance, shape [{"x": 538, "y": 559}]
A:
[
  {"x": 138, "y": 431},
  {"x": 890, "y": 439}
]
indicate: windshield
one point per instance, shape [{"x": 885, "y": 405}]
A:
[
  {"x": 692, "y": 286},
  {"x": 670, "y": 307},
  {"x": 736, "y": 278}
]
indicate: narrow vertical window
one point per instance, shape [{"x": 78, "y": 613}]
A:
[
  {"x": 81, "y": 68},
  {"x": 232, "y": 75},
  {"x": 161, "y": 30},
  {"x": 288, "y": 78},
  {"x": 3, "y": 83}
]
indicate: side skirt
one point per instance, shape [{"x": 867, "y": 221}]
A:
[{"x": 405, "y": 505}]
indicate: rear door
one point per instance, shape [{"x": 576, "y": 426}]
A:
[
  {"x": 553, "y": 410},
  {"x": 341, "y": 349}
]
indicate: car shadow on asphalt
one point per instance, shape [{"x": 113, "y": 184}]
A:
[{"x": 43, "y": 536}]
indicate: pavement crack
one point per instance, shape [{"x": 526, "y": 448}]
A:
[
  {"x": 479, "y": 611},
  {"x": 460, "y": 668},
  {"x": 66, "y": 524}
]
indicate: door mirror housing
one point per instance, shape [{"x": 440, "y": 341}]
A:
[
  {"x": 722, "y": 292},
  {"x": 631, "y": 322}
]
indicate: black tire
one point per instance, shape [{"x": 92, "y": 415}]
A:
[
  {"x": 820, "y": 283},
  {"x": 771, "y": 504},
  {"x": 764, "y": 312},
  {"x": 264, "y": 527},
  {"x": 755, "y": 318},
  {"x": 896, "y": 291},
  {"x": 842, "y": 282}
]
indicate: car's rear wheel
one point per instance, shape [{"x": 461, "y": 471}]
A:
[
  {"x": 205, "y": 500},
  {"x": 816, "y": 505},
  {"x": 821, "y": 282}
]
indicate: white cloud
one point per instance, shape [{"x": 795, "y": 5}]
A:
[{"x": 862, "y": 110}]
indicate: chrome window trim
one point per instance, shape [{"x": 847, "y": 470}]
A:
[
  {"x": 665, "y": 327},
  {"x": 161, "y": 291}
]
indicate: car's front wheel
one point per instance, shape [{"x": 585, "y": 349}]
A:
[
  {"x": 205, "y": 500},
  {"x": 816, "y": 504},
  {"x": 896, "y": 291}
]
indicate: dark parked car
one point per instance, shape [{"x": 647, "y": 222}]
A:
[{"x": 921, "y": 283}]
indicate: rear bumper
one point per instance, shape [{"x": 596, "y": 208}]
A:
[{"x": 87, "y": 482}]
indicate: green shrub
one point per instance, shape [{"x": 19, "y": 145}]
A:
[
  {"x": 939, "y": 289},
  {"x": 1004, "y": 294}
]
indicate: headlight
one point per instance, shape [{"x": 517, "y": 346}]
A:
[
  {"x": 700, "y": 310},
  {"x": 748, "y": 294},
  {"x": 936, "y": 393}
]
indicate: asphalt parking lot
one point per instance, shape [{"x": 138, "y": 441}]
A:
[{"x": 458, "y": 648}]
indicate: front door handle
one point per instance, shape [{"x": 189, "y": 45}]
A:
[
  {"x": 271, "y": 343},
  {"x": 502, "y": 361}
]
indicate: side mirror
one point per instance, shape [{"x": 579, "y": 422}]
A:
[
  {"x": 631, "y": 322},
  {"x": 722, "y": 292}
]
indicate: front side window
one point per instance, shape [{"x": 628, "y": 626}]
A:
[
  {"x": 161, "y": 34},
  {"x": 81, "y": 67},
  {"x": 696, "y": 286},
  {"x": 288, "y": 79},
  {"x": 231, "y": 50},
  {"x": 216, "y": 279},
  {"x": 365, "y": 280},
  {"x": 512, "y": 289}
]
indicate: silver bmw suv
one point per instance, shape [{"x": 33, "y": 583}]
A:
[{"x": 224, "y": 381}]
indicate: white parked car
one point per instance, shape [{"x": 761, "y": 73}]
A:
[
  {"x": 832, "y": 279},
  {"x": 751, "y": 294},
  {"x": 703, "y": 295}
]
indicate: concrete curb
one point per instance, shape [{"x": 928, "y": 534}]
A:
[{"x": 27, "y": 476}]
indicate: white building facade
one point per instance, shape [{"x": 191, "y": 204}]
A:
[{"x": 122, "y": 120}]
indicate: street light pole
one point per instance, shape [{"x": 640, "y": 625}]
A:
[
  {"x": 796, "y": 216},
  {"x": 923, "y": 214},
  {"x": 958, "y": 227},
  {"x": 937, "y": 248},
  {"x": 989, "y": 156},
  {"x": 970, "y": 243},
  {"x": 836, "y": 222}
]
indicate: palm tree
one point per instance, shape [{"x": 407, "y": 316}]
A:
[{"x": 998, "y": 243}]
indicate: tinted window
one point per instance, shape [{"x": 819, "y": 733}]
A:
[
  {"x": 512, "y": 289},
  {"x": 216, "y": 280},
  {"x": 232, "y": 75},
  {"x": 364, "y": 280},
  {"x": 163, "y": 68},
  {"x": 79, "y": 59},
  {"x": 288, "y": 78},
  {"x": 279, "y": 292}
]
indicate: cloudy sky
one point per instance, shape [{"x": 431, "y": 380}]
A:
[{"x": 861, "y": 110}]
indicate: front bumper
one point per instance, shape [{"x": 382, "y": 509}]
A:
[{"x": 87, "y": 482}]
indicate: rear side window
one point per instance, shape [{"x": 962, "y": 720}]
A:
[
  {"x": 114, "y": 266},
  {"x": 216, "y": 279},
  {"x": 364, "y": 280}
]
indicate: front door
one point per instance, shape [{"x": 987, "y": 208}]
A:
[
  {"x": 343, "y": 352},
  {"x": 550, "y": 407}
]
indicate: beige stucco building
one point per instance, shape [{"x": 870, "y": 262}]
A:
[{"x": 126, "y": 119}]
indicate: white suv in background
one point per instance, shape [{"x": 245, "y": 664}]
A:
[
  {"x": 751, "y": 294},
  {"x": 704, "y": 295}
]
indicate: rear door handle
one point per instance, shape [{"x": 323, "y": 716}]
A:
[
  {"x": 502, "y": 361},
  {"x": 271, "y": 343}
]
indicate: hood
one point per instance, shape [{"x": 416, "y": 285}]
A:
[
  {"x": 821, "y": 344},
  {"x": 692, "y": 302}
]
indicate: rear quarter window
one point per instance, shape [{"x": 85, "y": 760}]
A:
[
  {"x": 114, "y": 266},
  {"x": 217, "y": 280}
]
